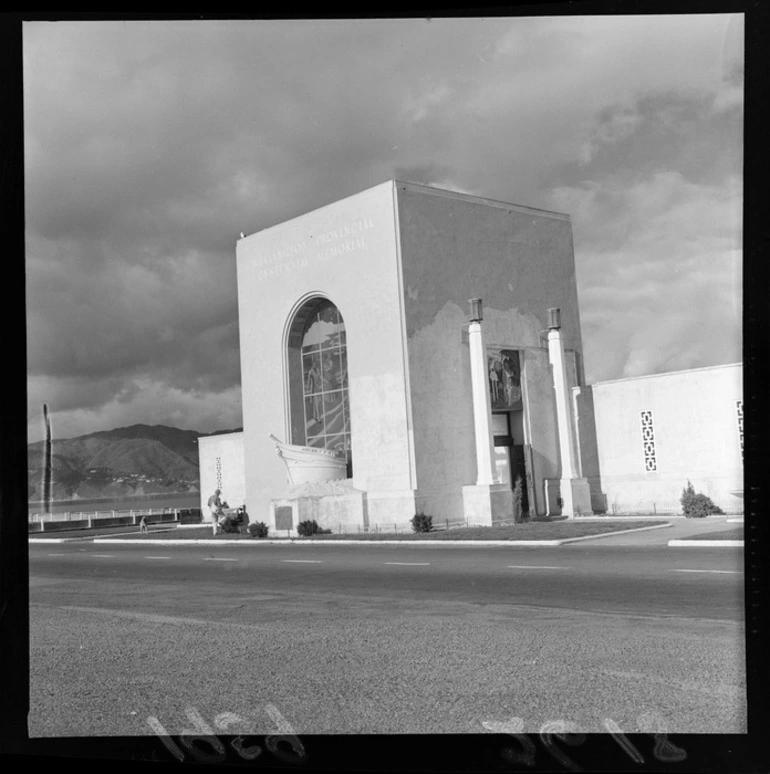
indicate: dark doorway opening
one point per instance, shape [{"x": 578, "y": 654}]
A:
[{"x": 510, "y": 454}]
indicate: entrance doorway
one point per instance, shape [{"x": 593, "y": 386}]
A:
[{"x": 509, "y": 449}]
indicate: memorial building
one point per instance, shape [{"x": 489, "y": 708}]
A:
[{"x": 411, "y": 349}]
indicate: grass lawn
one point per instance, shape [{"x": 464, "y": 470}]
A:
[
  {"x": 188, "y": 533},
  {"x": 531, "y": 531},
  {"x": 728, "y": 534},
  {"x": 556, "y": 530}
]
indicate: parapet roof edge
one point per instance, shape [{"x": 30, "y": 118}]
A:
[
  {"x": 218, "y": 435},
  {"x": 666, "y": 373},
  {"x": 449, "y": 194},
  {"x": 431, "y": 190},
  {"x": 318, "y": 209}
]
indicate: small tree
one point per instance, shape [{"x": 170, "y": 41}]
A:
[
  {"x": 258, "y": 529},
  {"x": 309, "y": 528},
  {"x": 696, "y": 505},
  {"x": 422, "y": 523}
]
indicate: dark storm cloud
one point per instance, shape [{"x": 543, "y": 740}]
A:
[{"x": 120, "y": 317}]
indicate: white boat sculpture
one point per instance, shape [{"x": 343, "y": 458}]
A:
[{"x": 306, "y": 464}]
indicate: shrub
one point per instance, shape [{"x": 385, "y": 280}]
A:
[
  {"x": 258, "y": 529},
  {"x": 308, "y": 528},
  {"x": 422, "y": 523},
  {"x": 696, "y": 505}
]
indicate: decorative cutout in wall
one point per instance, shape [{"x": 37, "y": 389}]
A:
[
  {"x": 648, "y": 440},
  {"x": 219, "y": 473},
  {"x": 739, "y": 413}
]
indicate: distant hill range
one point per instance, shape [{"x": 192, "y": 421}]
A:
[{"x": 135, "y": 460}]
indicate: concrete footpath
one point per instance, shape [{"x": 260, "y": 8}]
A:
[
  {"x": 687, "y": 536},
  {"x": 680, "y": 533}
]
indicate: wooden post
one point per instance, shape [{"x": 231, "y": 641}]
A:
[{"x": 47, "y": 461}]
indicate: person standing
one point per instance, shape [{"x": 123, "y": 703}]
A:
[
  {"x": 215, "y": 506},
  {"x": 143, "y": 525}
]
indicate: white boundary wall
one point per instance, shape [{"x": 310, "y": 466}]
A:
[{"x": 692, "y": 431}]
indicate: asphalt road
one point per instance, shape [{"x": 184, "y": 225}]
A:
[{"x": 384, "y": 639}]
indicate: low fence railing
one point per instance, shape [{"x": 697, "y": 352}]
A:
[
  {"x": 111, "y": 514},
  {"x": 399, "y": 528},
  {"x": 73, "y": 520},
  {"x": 733, "y": 506}
]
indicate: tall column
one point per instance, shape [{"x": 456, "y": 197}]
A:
[
  {"x": 569, "y": 468},
  {"x": 574, "y": 490},
  {"x": 482, "y": 412},
  {"x": 484, "y": 502}
]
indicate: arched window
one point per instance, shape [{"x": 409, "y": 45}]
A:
[{"x": 318, "y": 378}]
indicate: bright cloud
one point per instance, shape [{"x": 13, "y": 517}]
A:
[{"x": 659, "y": 273}]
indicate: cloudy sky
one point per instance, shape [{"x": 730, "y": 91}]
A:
[{"x": 149, "y": 146}]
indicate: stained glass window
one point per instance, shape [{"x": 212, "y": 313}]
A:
[{"x": 325, "y": 380}]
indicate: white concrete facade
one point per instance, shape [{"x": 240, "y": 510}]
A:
[
  {"x": 399, "y": 262},
  {"x": 347, "y": 253},
  {"x": 654, "y": 433}
]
